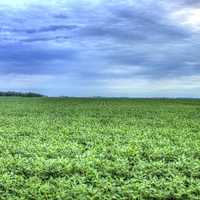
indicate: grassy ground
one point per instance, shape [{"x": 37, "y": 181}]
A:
[{"x": 99, "y": 149}]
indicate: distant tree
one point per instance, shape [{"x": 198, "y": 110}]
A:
[{"x": 20, "y": 94}]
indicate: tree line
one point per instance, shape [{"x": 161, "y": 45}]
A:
[{"x": 20, "y": 94}]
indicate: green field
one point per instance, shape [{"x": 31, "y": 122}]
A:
[{"x": 73, "y": 148}]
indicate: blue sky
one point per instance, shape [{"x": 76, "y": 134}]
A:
[{"x": 134, "y": 48}]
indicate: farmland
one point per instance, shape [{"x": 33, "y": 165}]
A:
[{"x": 75, "y": 148}]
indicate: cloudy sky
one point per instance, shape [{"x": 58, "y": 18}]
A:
[{"x": 138, "y": 48}]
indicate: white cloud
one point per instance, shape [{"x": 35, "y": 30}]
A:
[
  {"x": 188, "y": 17},
  {"x": 15, "y": 3},
  {"x": 122, "y": 70}
]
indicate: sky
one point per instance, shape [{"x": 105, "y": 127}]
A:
[{"x": 118, "y": 48}]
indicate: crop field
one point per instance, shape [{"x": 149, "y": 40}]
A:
[{"x": 75, "y": 148}]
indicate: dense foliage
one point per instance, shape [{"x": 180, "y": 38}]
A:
[
  {"x": 20, "y": 94},
  {"x": 66, "y": 148}
]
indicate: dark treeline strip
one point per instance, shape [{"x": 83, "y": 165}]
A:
[{"x": 20, "y": 94}]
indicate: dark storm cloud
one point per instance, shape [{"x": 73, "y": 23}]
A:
[
  {"x": 26, "y": 59},
  {"x": 41, "y": 30},
  {"x": 44, "y": 39},
  {"x": 61, "y": 16},
  {"x": 31, "y": 53},
  {"x": 149, "y": 24},
  {"x": 51, "y": 28}
]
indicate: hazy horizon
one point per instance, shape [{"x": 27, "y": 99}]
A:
[{"x": 87, "y": 48}]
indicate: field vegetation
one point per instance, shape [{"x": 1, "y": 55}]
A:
[{"x": 75, "y": 148}]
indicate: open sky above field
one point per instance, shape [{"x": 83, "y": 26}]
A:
[{"x": 139, "y": 48}]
